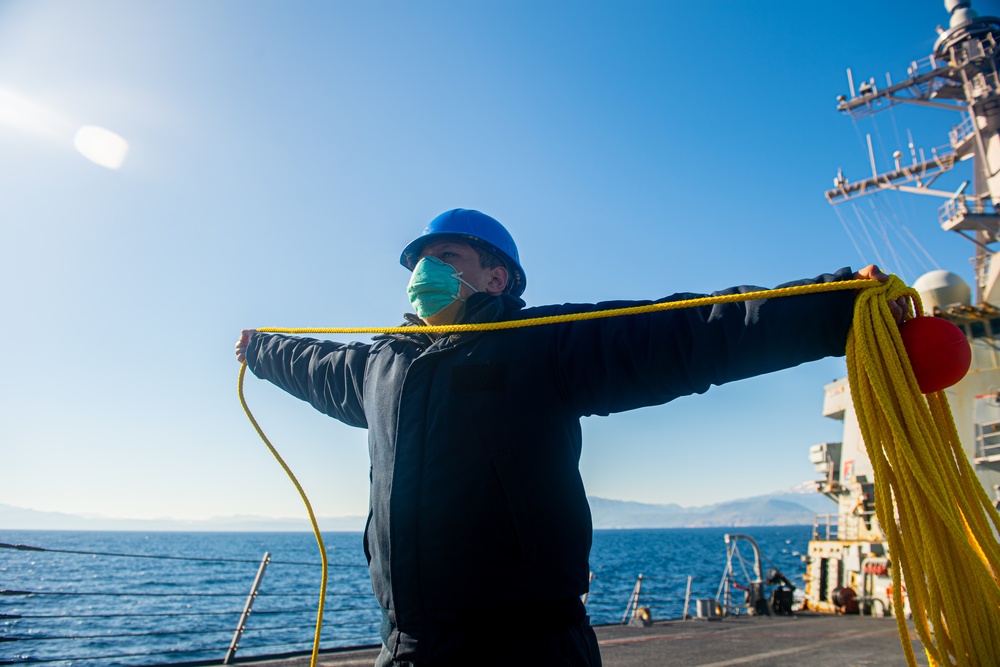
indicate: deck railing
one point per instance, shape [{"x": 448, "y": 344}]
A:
[
  {"x": 98, "y": 608},
  {"x": 195, "y": 613}
]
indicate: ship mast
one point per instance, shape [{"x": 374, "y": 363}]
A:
[{"x": 960, "y": 75}]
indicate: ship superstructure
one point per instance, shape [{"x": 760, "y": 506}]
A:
[{"x": 849, "y": 565}]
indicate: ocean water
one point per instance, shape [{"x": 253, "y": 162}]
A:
[{"x": 134, "y": 598}]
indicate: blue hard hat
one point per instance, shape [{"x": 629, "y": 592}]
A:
[{"x": 475, "y": 228}]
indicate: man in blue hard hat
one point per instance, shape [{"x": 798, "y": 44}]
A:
[
  {"x": 479, "y": 529},
  {"x": 473, "y": 246}
]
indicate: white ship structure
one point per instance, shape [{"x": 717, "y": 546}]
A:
[{"x": 849, "y": 564}]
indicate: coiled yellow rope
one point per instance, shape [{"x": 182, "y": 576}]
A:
[{"x": 939, "y": 535}]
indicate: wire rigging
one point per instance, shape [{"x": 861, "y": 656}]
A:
[
  {"x": 26, "y": 547},
  {"x": 885, "y": 218}
]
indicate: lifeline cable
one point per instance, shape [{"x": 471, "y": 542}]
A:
[{"x": 939, "y": 533}]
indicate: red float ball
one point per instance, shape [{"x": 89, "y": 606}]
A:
[{"x": 939, "y": 353}]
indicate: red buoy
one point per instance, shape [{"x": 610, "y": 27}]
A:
[{"x": 939, "y": 353}]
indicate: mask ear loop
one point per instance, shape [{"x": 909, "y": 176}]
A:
[{"x": 458, "y": 276}]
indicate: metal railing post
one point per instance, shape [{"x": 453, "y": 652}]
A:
[
  {"x": 633, "y": 601},
  {"x": 587, "y": 594},
  {"x": 235, "y": 644},
  {"x": 687, "y": 599}
]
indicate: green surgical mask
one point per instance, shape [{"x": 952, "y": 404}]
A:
[{"x": 434, "y": 286}]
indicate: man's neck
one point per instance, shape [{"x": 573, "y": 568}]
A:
[{"x": 450, "y": 315}]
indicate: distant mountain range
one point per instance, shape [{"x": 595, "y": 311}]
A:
[
  {"x": 787, "y": 508},
  {"x": 19, "y": 518},
  {"x": 793, "y": 507}
]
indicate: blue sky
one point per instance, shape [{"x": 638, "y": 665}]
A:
[{"x": 282, "y": 154}]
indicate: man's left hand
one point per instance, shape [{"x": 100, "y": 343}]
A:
[{"x": 898, "y": 307}]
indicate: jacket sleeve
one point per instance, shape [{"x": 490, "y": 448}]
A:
[
  {"x": 622, "y": 363},
  {"x": 329, "y": 376}
]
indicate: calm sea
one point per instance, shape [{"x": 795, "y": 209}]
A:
[{"x": 131, "y": 598}]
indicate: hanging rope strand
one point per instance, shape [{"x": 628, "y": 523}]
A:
[{"x": 309, "y": 510}]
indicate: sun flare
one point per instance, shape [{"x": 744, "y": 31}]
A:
[{"x": 100, "y": 146}]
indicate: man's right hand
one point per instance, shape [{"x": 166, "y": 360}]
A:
[{"x": 241, "y": 344}]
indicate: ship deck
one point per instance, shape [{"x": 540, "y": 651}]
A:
[{"x": 817, "y": 640}]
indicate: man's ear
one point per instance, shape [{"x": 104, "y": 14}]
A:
[{"x": 498, "y": 281}]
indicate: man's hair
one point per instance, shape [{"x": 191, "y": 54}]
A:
[
  {"x": 491, "y": 260},
  {"x": 487, "y": 259}
]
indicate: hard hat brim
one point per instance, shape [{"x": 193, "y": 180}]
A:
[{"x": 462, "y": 224}]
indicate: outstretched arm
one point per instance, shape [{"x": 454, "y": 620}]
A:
[
  {"x": 617, "y": 364},
  {"x": 328, "y": 375}
]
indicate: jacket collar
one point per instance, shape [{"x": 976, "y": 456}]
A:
[
  {"x": 479, "y": 308},
  {"x": 483, "y": 307}
]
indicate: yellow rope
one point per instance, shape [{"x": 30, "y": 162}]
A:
[
  {"x": 933, "y": 510},
  {"x": 312, "y": 516},
  {"x": 939, "y": 535},
  {"x": 592, "y": 315}
]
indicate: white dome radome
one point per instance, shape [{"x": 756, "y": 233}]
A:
[{"x": 941, "y": 289}]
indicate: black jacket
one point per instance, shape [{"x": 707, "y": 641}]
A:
[{"x": 476, "y": 496}]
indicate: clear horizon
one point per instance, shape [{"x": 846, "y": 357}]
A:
[{"x": 11, "y": 515}]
